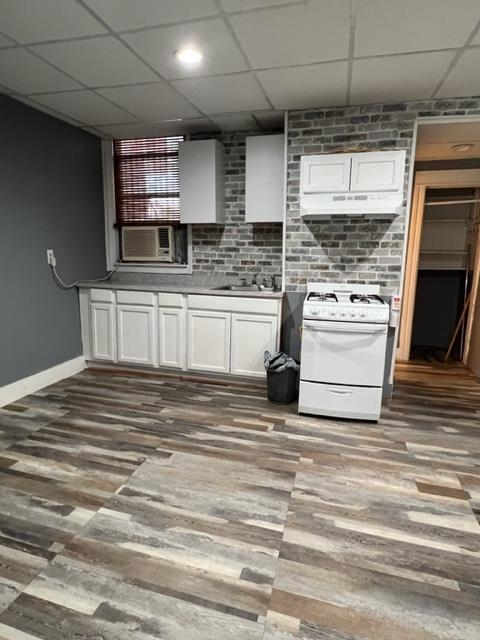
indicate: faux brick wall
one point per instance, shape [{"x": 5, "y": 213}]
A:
[
  {"x": 237, "y": 249},
  {"x": 350, "y": 249}
]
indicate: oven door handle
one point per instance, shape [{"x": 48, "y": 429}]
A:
[{"x": 344, "y": 327}]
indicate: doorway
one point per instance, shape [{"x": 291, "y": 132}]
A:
[
  {"x": 440, "y": 318},
  {"x": 444, "y": 276}
]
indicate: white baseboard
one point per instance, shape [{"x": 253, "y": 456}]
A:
[{"x": 16, "y": 390}]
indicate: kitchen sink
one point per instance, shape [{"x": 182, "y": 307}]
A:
[
  {"x": 238, "y": 287},
  {"x": 243, "y": 287}
]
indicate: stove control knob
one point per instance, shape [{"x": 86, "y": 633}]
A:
[
  {"x": 343, "y": 313},
  {"x": 332, "y": 312},
  {"x": 352, "y": 313},
  {"x": 362, "y": 314}
]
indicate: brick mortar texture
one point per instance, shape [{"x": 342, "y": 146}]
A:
[
  {"x": 349, "y": 249},
  {"x": 236, "y": 249}
]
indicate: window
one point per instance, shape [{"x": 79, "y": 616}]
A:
[
  {"x": 141, "y": 188},
  {"x": 147, "y": 181}
]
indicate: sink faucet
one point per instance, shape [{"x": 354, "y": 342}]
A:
[{"x": 254, "y": 279}]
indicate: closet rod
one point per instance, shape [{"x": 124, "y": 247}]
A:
[{"x": 439, "y": 202}]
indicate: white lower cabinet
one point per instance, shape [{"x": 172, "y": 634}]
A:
[
  {"x": 102, "y": 321},
  {"x": 171, "y": 338},
  {"x": 252, "y": 335},
  {"x": 216, "y": 334},
  {"x": 136, "y": 334},
  {"x": 209, "y": 341}
]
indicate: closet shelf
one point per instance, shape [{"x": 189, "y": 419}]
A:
[{"x": 445, "y": 252}]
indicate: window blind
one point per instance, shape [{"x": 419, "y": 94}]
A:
[{"x": 146, "y": 180}]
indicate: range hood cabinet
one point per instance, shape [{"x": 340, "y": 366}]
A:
[{"x": 368, "y": 184}]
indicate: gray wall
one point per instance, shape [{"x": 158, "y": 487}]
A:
[
  {"x": 351, "y": 249},
  {"x": 50, "y": 197}
]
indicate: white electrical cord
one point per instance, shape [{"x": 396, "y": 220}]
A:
[{"x": 64, "y": 285}]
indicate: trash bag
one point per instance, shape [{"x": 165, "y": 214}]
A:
[{"x": 279, "y": 361}]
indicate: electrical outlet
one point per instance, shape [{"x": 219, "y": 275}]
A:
[{"x": 51, "y": 257}]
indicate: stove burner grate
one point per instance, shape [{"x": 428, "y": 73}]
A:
[
  {"x": 322, "y": 297},
  {"x": 358, "y": 298}
]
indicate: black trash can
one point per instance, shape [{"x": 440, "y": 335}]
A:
[{"x": 282, "y": 387}]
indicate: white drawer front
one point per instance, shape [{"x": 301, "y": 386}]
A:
[
  {"x": 101, "y": 295},
  {"x": 231, "y": 303},
  {"x": 136, "y": 297},
  {"x": 171, "y": 300},
  {"x": 363, "y": 403}
]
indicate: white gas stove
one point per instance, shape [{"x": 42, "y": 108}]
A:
[{"x": 343, "y": 350}]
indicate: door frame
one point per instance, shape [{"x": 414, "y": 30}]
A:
[{"x": 423, "y": 180}]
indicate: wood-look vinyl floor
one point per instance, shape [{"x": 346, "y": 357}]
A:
[{"x": 147, "y": 508}]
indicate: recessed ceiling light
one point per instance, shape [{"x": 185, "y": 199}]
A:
[
  {"x": 462, "y": 147},
  {"x": 189, "y": 55}
]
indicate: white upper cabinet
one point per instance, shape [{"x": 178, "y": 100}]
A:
[
  {"x": 377, "y": 171},
  {"x": 265, "y": 178},
  {"x": 201, "y": 167},
  {"x": 326, "y": 173}
]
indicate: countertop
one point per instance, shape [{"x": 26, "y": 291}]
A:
[{"x": 178, "y": 288}]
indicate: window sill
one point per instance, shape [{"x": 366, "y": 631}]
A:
[{"x": 153, "y": 267}]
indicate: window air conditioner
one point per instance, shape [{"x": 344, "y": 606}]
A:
[{"x": 148, "y": 244}]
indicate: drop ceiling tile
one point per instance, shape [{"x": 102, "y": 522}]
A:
[
  {"x": 28, "y": 21},
  {"x": 6, "y": 42},
  {"x": 223, "y": 94},
  {"x": 241, "y": 122},
  {"x": 242, "y": 5},
  {"x": 310, "y": 86},
  {"x": 97, "y": 62},
  {"x": 125, "y": 14},
  {"x": 390, "y": 26},
  {"x": 85, "y": 106},
  {"x": 44, "y": 109},
  {"x": 464, "y": 80},
  {"x": 311, "y": 32},
  {"x": 271, "y": 119},
  {"x": 151, "y": 101},
  {"x": 23, "y": 72},
  {"x": 165, "y": 128},
  {"x": 408, "y": 77},
  {"x": 157, "y": 47}
]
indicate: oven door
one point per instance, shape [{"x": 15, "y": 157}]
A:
[{"x": 350, "y": 353}]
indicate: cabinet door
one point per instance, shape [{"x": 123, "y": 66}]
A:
[
  {"x": 135, "y": 334},
  {"x": 378, "y": 171},
  {"x": 251, "y": 336},
  {"x": 103, "y": 331},
  {"x": 201, "y": 164},
  {"x": 209, "y": 341},
  {"x": 326, "y": 173},
  {"x": 264, "y": 178},
  {"x": 171, "y": 335}
]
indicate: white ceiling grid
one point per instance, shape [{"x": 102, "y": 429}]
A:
[{"x": 110, "y": 66}]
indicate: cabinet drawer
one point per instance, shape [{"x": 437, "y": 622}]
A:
[
  {"x": 231, "y": 303},
  {"x": 101, "y": 295},
  {"x": 136, "y": 297},
  {"x": 340, "y": 401},
  {"x": 170, "y": 300}
]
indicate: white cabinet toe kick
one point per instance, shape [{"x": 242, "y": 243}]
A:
[{"x": 186, "y": 332}]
